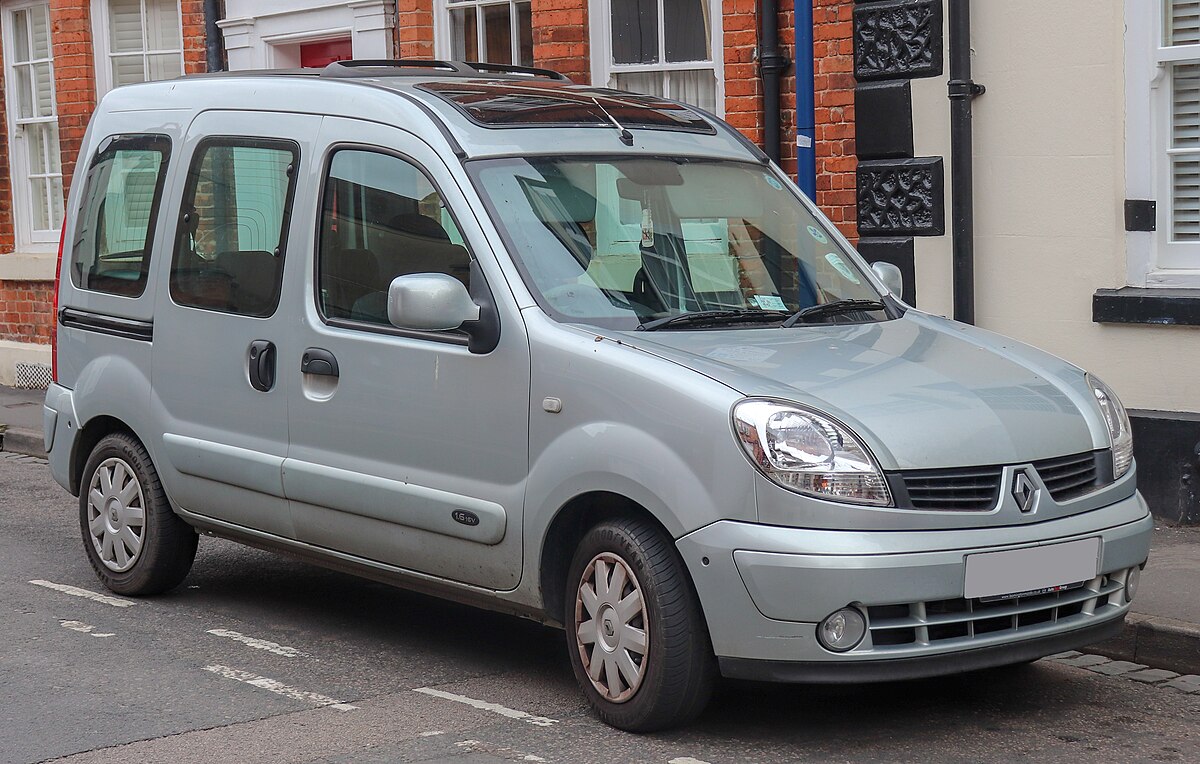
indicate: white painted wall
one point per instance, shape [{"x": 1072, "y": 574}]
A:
[
  {"x": 1049, "y": 147},
  {"x": 267, "y": 34}
]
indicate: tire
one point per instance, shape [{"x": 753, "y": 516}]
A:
[
  {"x": 673, "y": 680},
  {"x": 118, "y": 481}
]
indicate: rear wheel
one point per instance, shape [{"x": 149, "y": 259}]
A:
[
  {"x": 134, "y": 540},
  {"x": 636, "y": 636}
]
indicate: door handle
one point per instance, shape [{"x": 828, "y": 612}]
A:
[
  {"x": 262, "y": 365},
  {"x": 319, "y": 361}
]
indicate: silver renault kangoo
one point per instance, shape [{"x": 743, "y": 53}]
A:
[{"x": 574, "y": 354}]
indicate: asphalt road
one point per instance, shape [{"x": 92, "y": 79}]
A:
[{"x": 258, "y": 658}]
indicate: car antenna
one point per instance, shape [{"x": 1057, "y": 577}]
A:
[{"x": 626, "y": 136}]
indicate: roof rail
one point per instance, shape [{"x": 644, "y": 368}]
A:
[
  {"x": 483, "y": 66},
  {"x": 352, "y": 68},
  {"x": 372, "y": 67}
]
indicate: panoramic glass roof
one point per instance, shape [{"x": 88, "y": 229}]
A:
[{"x": 548, "y": 104}]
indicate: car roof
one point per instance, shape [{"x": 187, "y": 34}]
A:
[{"x": 481, "y": 109}]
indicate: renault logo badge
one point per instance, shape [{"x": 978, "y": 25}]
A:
[{"x": 1024, "y": 491}]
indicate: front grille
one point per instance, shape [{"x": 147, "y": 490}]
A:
[
  {"x": 1068, "y": 477},
  {"x": 965, "y": 490},
  {"x": 946, "y": 623},
  {"x": 977, "y": 489}
]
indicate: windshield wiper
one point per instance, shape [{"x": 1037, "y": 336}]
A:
[
  {"x": 832, "y": 308},
  {"x": 710, "y": 316}
]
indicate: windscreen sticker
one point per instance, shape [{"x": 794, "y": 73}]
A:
[
  {"x": 769, "y": 302},
  {"x": 773, "y": 182},
  {"x": 834, "y": 259},
  {"x": 817, "y": 234},
  {"x": 647, "y": 227}
]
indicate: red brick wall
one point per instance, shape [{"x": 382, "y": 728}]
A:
[
  {"x": 74, "y": 77},
  {"x": 195, "y": 53},
  {"x": 834, "y": 85},
  {"x": 414, "y": 28},
  {"x": 560, "y": 37},
  {"x": 7, "y": 244},
  {"x": 27, "y": 311}
]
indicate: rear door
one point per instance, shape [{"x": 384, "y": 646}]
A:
[
  {"x": 219, "y": 323},
  {"x": 406, "y": 447}
]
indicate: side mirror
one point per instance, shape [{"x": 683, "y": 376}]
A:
[
  {"x": 433, "y": 302},
  {"x": 891, "y": 277}
]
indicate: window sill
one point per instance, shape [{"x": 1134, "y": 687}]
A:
[
  {"x": 1134, "y": 305},
  {"x": 28, "y": 266}
]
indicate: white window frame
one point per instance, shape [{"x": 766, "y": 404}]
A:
[
  {"x": 101, "y": 45},
  {"x": 1152, "y": 257},
  {"x": 27, "y": 238},
  {"x": 603, "y": 67},
  {"x": 441, "y": 27}
]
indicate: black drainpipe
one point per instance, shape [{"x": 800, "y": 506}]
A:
[
  {"x": 212, "y": 36},
  {"x": 771, "y": 62},
  {"x": 962, "y": 214}
]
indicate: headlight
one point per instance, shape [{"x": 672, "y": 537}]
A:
[
  {"x": 1119, "y": 431},
  {"x": 809, "y": 453}
]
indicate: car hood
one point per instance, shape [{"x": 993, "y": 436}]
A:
[{"x": 922, "y": 390}]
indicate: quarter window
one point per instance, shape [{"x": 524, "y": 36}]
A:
[
  {"x": 498, "y": 33},
  {"x": 114, "y": 232},
  {"x": 233, "y": 226},
  {"x": 381, "y": 218}
]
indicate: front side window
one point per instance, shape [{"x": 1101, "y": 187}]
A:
[
  {"x": 495, "y": 32},
  {"x": 381, "y": 217},
  {"x": 626, "y": 242},
  {"x": 661, "y": 48},
  {"x": 137, "y": 41},
  {"x": 114, "y": 230},
  {"x": 233, "y": 226}
]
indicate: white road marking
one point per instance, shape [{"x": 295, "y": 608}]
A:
[
  {"x": 258, "y": 644},
  {"x": 75, "y": 591},
  {"x": 478, "y": 746},
  {"x": 279, "y": 688},
  {"x": 686, "y": 760},
  {"x": 495, "y": 708},
  {"x": 85, "y": 628},
  {"x": 431, "y": 733}
]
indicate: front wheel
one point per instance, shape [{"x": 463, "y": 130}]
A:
[
  {"x": 637, "y": 639},
  {"x": 136, "y": 543}
]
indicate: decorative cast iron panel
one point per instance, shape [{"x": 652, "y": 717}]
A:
[
  {"x": 901, "y": 196},
  {"x": 901, "y": 39}
]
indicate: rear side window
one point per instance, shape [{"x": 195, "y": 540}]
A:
[
  {"x": 114, "y": 229},
  {"x": 233, "y": 226}
]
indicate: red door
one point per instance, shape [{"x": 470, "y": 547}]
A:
[{"x": 317, "y": 55}]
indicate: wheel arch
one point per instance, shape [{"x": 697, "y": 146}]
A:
[
  {"x": 567, "y": 528},
  {"x": 89, "y": 435}
]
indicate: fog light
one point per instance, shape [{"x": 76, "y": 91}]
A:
[
  {"x": 1131, "y": 583},
  {"x": 842, "y": 630}
]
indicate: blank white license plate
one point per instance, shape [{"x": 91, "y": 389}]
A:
[{"x": 1035, "y": 570}]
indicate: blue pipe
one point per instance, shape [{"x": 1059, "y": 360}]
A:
[{"x": 806, "y": 133}]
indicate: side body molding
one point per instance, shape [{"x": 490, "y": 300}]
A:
[{"x": 393, "y": 501}]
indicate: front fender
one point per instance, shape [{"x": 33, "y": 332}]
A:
[{"x": 621, "y": 459}]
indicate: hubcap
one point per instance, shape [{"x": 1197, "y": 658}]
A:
[
  {"x": 611, "y": 627},
  {"x": 116, "y": 515}
]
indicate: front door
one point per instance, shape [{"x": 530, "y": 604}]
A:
[
  {"x": 220, "y": 321},
  {"x": 406, "y": 448}
]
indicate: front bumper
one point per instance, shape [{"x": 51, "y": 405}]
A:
[{"x": 765, "y": 588}]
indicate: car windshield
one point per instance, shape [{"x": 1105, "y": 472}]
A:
[{"x": 625, "y": 243}]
